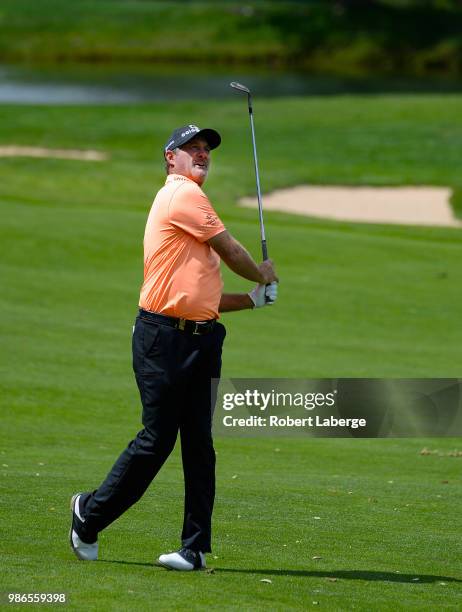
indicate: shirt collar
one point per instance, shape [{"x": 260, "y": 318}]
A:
[{"x": 177, "y": 177}]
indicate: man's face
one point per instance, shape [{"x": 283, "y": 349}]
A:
[{"x": 191, "y": 160}]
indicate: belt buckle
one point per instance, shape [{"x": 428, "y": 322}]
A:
[{"x": 196, "y": 331}]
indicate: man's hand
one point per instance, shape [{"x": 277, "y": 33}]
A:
[
  {"x": 264, "y": 295},
  {"x": 267, "y": 272}
]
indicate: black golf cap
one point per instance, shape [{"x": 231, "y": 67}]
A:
[{"x": 186, "y": 133}]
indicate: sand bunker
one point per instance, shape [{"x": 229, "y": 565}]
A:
[
  {"x": 16, "y": 151},
  {"x": 401, "y": 205}
]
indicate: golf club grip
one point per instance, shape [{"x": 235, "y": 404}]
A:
[{"x": 264, "y": 250}]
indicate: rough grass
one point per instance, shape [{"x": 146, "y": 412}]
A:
[{"x": 375, "y": 37}]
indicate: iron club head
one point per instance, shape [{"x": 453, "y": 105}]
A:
[{"x": 240, "y": 87}]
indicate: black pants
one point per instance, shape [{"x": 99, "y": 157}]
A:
[{"x": 173, "y": 371}]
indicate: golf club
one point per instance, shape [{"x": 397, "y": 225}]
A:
[{"x": 246, "y": 90}]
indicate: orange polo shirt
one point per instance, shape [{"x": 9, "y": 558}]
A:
[{"x": 181, "y": 271}]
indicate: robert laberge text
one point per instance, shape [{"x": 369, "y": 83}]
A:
[{"x": 287, "y": 421}]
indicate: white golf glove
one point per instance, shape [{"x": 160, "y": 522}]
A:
[{"x": 264, "y": 295}]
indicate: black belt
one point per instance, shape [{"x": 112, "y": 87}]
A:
[{"x": 196, "y": 328}]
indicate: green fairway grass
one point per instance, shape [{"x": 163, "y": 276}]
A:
[
  {"x": 386, "y": 519},
  {"x": 355, "y": 300}
]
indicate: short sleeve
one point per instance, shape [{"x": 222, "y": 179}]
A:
[{"x": 191, "y": 210}]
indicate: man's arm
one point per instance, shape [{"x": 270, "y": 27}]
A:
[
  {"x": 237, "y": 258},
  {"x": 235, "y": 301}
]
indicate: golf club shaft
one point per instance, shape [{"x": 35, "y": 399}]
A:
[
  {"x": 246, "y": 90},
  {"x": 257, "y": 177}
]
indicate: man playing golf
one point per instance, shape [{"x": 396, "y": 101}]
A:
[{"x": 177, "y": 344}]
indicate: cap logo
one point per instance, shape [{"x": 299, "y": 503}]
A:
[{"x": 192, "y": 130}]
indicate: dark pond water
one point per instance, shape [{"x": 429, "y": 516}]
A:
[{"x": 70, "y": 84}]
